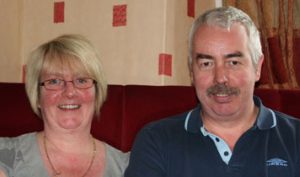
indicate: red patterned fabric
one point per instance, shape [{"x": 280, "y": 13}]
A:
[
  {"x": 279, "y": 73},
  {"x": 297, "y": 57},
  {"x": 127, "y": 109}
]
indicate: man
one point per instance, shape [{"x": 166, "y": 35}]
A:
[{"x": 231, "y": 133}]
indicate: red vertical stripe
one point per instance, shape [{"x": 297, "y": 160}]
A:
[
  {"x": 165, "y": 64},
  {"x": 59, "y": 12},
  {"x": 191, "y": 8},
  {"x": 120, "y": 15}
]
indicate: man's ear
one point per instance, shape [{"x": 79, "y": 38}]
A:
[
  {"x": 190, "y": 63},
  {"x": 259, "y": 67},
  {"x": 192, "y": 78}
]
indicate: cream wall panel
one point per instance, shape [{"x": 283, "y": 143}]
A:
[
  {"x": 177, "y": 32},
  {"x": 129, "y": 53},
  {"x": 132, "y": 57},
  {"x": 177, "y": 29},
  {"x": 10, "y": 65}
]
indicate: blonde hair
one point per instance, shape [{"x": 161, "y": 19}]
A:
[{"x": 70, "y": 49}]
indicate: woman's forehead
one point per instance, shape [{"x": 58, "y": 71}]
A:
[{"x": 62, "y": 65}]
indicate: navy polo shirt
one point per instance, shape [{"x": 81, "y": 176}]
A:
[{"x": 179, "y": 146}]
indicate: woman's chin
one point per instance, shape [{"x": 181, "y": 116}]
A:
[{"x": 70, "y": 124}]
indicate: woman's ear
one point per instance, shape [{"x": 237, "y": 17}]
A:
[{"x": 38, "y": 105}]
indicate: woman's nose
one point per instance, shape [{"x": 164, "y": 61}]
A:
[{"x": 69, "y": 88}]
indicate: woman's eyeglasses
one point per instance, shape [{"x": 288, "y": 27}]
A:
[{"x": 59, "y": 84}]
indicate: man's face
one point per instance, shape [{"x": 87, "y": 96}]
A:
[{"x": 222, "y": 70}]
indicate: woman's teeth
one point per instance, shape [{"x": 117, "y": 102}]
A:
[{"x": 69, "y": 106}]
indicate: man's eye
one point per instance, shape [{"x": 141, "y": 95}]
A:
[
  {"x": 233, "y": 63},
  {"x": 206, "y": 64}
]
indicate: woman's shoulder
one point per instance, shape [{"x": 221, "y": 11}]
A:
[
  {"x": 116, "y": 161},
  {"x": 16, "y": 150},
  {"x": 18, "y": 141},
  {"x": 114, "y": 152}
]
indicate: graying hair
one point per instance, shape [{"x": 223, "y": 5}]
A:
[{"x": 224, "y": 17}]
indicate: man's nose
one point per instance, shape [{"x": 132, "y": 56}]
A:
[{"x": 221, "y": 74}]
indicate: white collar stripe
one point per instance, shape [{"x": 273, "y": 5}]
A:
[
  {"x": 187, "y": 118},
  {"x": 274, "y": 118}
]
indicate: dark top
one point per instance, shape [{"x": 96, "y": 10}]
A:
[{"x": 179, "y": 146}]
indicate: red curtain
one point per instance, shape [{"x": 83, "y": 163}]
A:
[{"x": 279, "y": 25}]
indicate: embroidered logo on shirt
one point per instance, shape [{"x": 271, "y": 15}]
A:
[
  {"x": 9, "y": 156},
  {"x": 277, "y": 162}
]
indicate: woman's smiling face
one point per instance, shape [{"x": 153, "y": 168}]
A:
[{"x": 69, "y": 107}]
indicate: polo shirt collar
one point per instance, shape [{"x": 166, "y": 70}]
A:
[
  {"x": 193, "y": 120},
  {"x": 266, "y": 118}
]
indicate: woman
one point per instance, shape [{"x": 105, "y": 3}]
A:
[{"x": 66, "y": 88}]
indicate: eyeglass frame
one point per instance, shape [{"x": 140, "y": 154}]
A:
[{"x": 64, "y": 83}]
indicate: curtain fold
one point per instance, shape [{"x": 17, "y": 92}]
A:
[{"x": 278, "y": 23}]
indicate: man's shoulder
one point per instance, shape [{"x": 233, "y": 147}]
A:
[
  {"x": 287, "y": 119},
  {"x": 171, "y": 121},
  {"x": 288, "y": 125},
  {"x": 166, "y": 126}
]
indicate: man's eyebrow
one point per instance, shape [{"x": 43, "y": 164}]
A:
[
  {"x": 203, "y": 56},
  {"x": 233, "y": 55}
]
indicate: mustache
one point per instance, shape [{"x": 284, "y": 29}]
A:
[{"x": 222, "y": 89}]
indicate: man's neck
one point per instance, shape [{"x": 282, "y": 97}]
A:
[{"x": 230, "y": 130}]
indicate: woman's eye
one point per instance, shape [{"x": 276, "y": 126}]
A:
[
  {"x": 81, "y": 80},
  {"x": 54, "y": 81}
]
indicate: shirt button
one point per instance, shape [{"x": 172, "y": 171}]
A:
[
  {"x": 226, "y": 153},
  {"x": 217, "y": 139}
]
